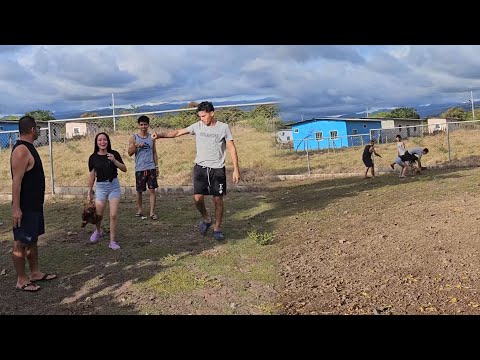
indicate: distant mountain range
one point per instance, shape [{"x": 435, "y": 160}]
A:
[
  {"x": 147, "y": 108},
  {"x": 430, "y": 110}
]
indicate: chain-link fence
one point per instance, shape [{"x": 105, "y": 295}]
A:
[
  {"x": 448, "y": 142},
  {"x": 265, "y": 148},
  {"x": 74, "y": 142}
]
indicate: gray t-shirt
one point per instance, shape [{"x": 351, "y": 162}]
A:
[
  {"x": 211, "y": 143},
  {"x": 417, "y": 151}
]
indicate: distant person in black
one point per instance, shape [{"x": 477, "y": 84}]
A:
[
  {"x": 103, "y": 164},
  {"x": 367, "y": 157},
  {"x": 28, "y": 194}
]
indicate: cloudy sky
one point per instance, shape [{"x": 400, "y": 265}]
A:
[{"x": 307, "y": 79}]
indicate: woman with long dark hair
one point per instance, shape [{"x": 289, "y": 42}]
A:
[{"x": 103, "y": 165}]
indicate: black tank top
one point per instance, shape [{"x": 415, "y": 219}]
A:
[
  {"x": 32, "y": 193},
  {"x": 366, "y": 152}
]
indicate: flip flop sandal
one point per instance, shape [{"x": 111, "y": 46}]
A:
[
  {"x": 45, "y": 277},
  {"x": 24, "y": 287}
]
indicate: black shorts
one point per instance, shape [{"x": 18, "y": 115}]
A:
[
  {"x": 144, "y": 178},
  {"x": 368, "y": 162},
  {"x": 31, "y": 227},
  {"x": 209, "y": 181}
]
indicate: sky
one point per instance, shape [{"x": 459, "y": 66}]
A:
[{"x": 308, "y": 80}]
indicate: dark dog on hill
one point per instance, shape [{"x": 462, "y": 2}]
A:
[
  {"x": 89, "y": 215},
  {"x": 407, "y": 157}
]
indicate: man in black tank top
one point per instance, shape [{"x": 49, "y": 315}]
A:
[
  {"x": 28, "y": 194},
  {"x": 368, "y": 151}
]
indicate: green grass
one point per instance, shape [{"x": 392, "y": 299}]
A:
[
  {"x": 173, "y": 281},
  {"x": 165, "y": 259}
]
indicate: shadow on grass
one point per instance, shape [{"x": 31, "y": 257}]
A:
[
  {"x": 264, "y": 211},
  {"x": 96, "y": 280}
]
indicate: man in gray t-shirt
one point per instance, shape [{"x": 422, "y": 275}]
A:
[{"x": 212, "y": 139}]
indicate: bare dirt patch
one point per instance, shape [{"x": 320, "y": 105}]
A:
[{"x": 386, "y": 246}]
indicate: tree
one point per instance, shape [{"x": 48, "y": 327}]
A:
[
  {"x": 192, "y": 104},
  {"x": 380, "y": 114},
  {"x": 455, "y": 113},
  {"x": 404, "y": 113},
  {"x": 11, "y": 117},
  {"x": 41, "y": 115},
  {"x": 229, "y": 115},
  {"x": 88, "y": 114},
  {"x": 267, "y": 111}
]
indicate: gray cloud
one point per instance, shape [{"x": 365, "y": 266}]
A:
[
  {"x": 11, "y": 48},
  {"x": 308, "y": 79}
]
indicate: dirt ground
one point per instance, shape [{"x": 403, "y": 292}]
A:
[
  {"x": 410, "y": 248},
  {"x": 163, "y": 267},
  {"x": 341, "y": 246}
]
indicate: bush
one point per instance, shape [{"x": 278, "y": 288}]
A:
[{"x": 265, "y": 238}]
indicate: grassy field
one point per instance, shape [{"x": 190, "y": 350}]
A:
[
  {"x": 258, "y": 156},
  {"x": 160, "y": 266},
  {"x": 340, "y": 246}
]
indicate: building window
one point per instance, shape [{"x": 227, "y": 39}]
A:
[
  {"x": 319, "y": 135},
  {"x": 354, "y": 131},
  {"x": 295, "y": 131},
  {"x": 1, "y": 128},
  {"x": 364, "y": 126},
  {"x": 288, "y": 138},
  {"x": 334, "y": 134},
  {"x": 76, "y": 131},
  {"x": 414, "y": 128}
]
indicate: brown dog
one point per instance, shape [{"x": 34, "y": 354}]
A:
[{"x": 90, "y": 215}]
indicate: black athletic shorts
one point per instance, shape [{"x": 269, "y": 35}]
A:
[
  {"x": 209, "y": 181},
  {"x": 368, "y": 162},
  {"x": 32, "y": 225}
]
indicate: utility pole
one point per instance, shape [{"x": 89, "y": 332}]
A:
[
  {"x": 473, "y": 108},
  {"x": 113, "y": 113}
]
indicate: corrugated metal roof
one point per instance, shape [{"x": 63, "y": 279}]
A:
[{"x": 354, "y": 119}]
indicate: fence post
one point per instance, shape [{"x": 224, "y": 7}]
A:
[
  {"x": 51, "y": 156},
  {"x": 308, "y": 159},
  {"x": 448, "y": 142}
]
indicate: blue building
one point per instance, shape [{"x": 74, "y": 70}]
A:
[
  {"x": 326, "y": 133},
  {"x": 8, "y": 138}
]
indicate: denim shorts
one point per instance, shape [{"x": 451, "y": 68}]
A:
[
  {"x": 400, "y": 162},
  {"x": 107, "y": 190}
]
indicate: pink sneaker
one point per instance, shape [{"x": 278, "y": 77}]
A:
[
  {"x": 95, "y": 237},
  {"x": 114, "y": 246}
]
